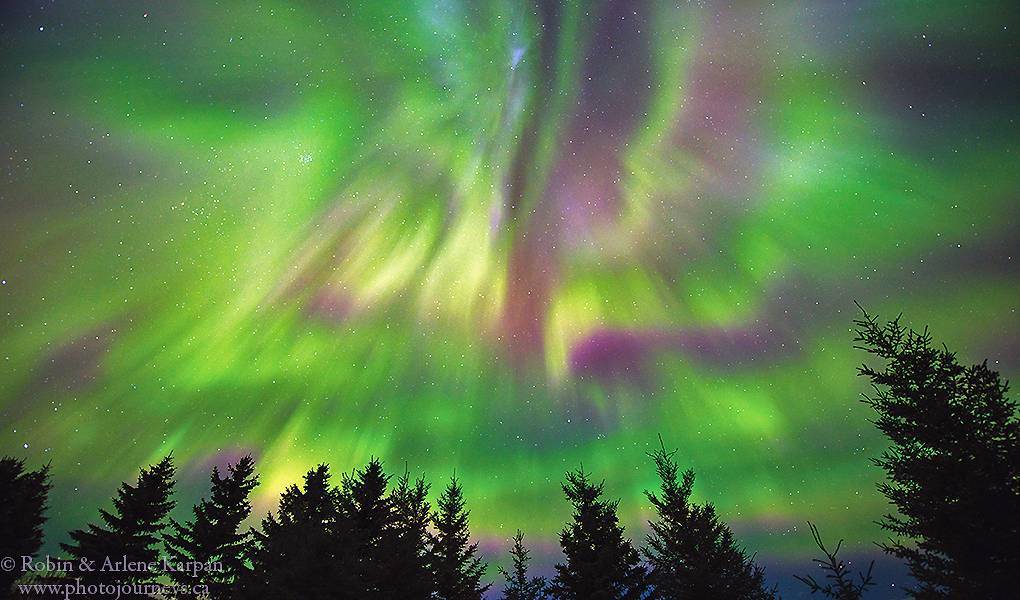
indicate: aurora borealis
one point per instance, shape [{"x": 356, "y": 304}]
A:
[{"x": 498, "y": 238}]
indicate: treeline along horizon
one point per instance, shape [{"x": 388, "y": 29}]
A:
[
  {"x": 373, "y": 534},
  {"x": 952, "y": 475}
]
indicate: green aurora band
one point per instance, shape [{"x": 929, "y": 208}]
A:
[{"x": 497, "y": 239}]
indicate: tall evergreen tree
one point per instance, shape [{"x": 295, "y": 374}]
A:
[
  {"x": 690, "y": 552},
  {"x": 408, "y": 543},
  {"x": 519, "y": 586},
  {"x": 369, "y": 531},
  {"x": 296, "y": 554},
  {"x": 456, "y": 566},
  {"x": 600, "y": 563},
  {"x": 131, "y": 532},
  {"x": 214, "y": 534},
  {"x": 23, "y": 496},
  {"x": 953, "y": 469}
]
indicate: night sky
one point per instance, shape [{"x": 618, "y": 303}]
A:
[{"x": 497, "y": 238}]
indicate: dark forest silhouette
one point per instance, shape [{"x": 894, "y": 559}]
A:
[{"x": 952, "y": 474}]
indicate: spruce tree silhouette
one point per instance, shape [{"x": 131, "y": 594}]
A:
[
  {"x": 600, "y": 563},
  {"x": 23, "y": 504},
  {"x": 456, "y": 566},
  {"x": 214, "y": 534},
  {"x": 519, "y": 586},
  {"x": 407, "y": 558},
  {"x": 132, "y": 531},
  {"x": 369, "y": 518},
  {"x": 953, "y": 470},
  {"x": 691, "y": 554},
  {"x": 841, "y": 584},
  {"x": 297, "y": 554}
]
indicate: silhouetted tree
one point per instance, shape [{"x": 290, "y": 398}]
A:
[
  {"x": 841, "y": 584},
  {"x": 953, "y": 470},
  {"x": 456, "y": 566},
  {"x": 407, "y": 555},
  {"x": 355, "y": 541},
  {"x": 297, "y": 555},
  {"x": 214, "y": 534},
  {"x": 600, "y": 563},
  {"x": 23, "y": 496},
  {"x": 368, "y": 513},
  {"x": 691, "y": 554},
  {"x": 519, "y": 586},
  {"x": 131, "y": 531}
]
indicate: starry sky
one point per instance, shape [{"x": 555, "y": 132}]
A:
[{"x": 497, "y": 237}]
